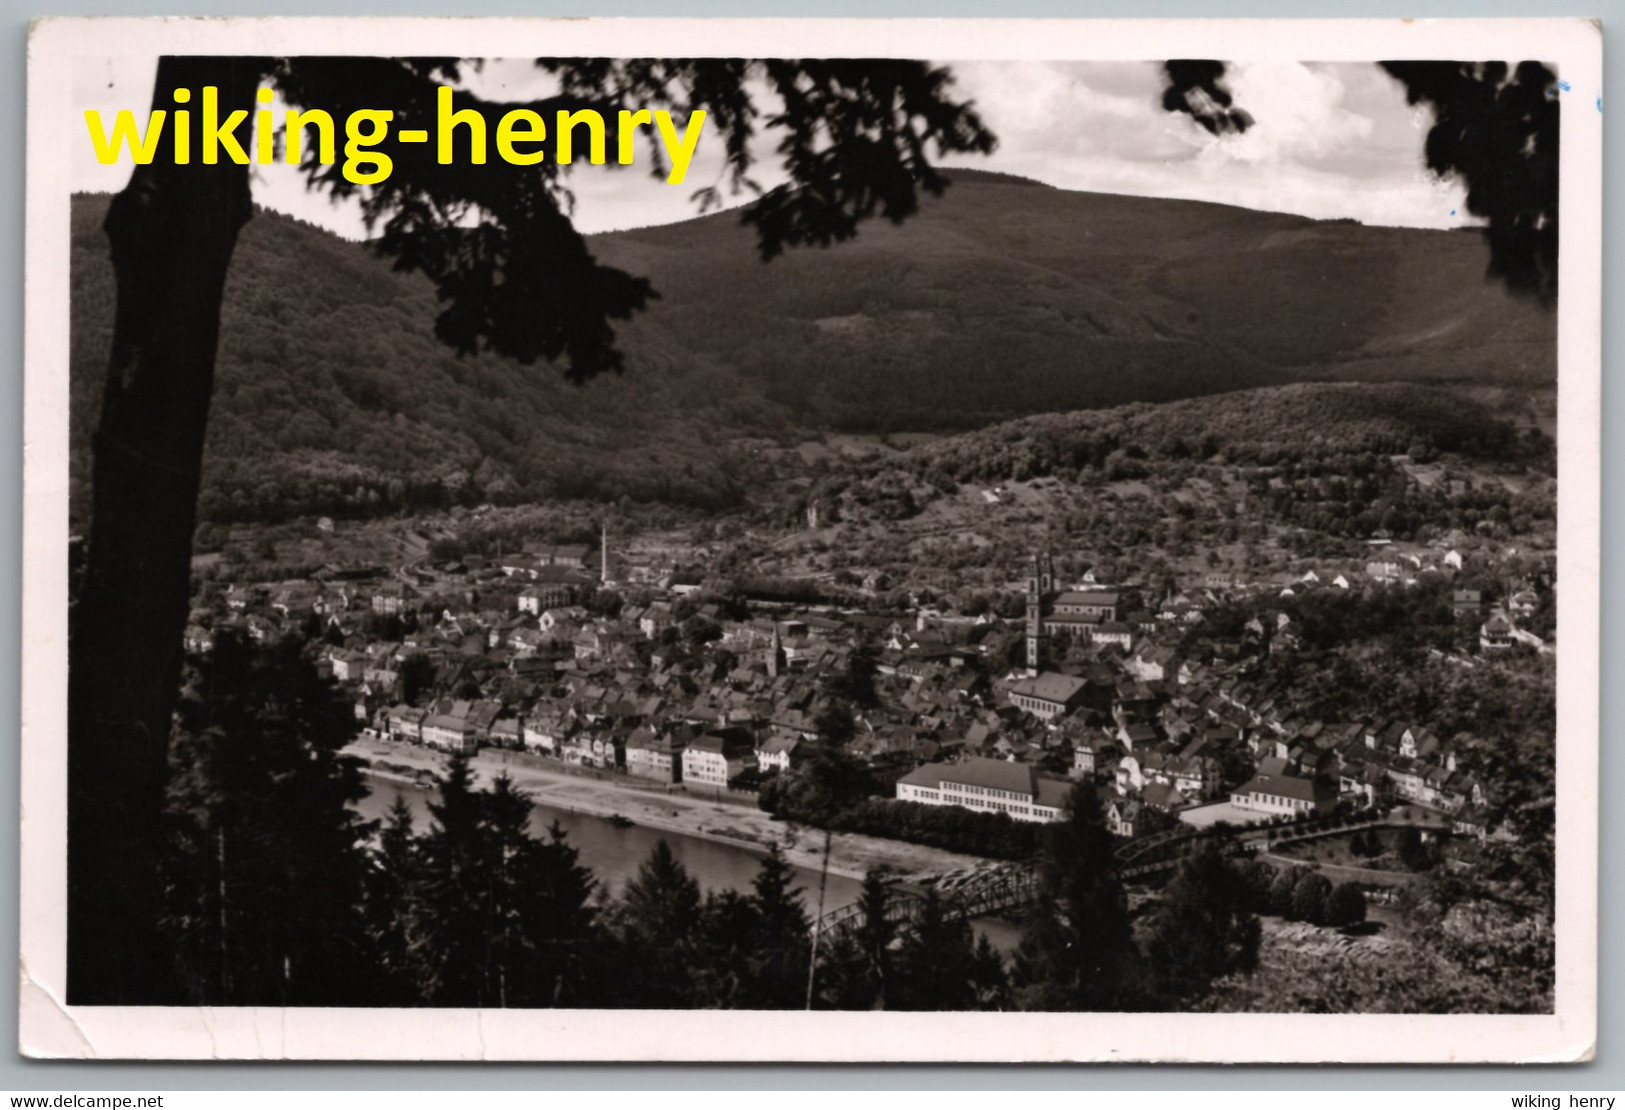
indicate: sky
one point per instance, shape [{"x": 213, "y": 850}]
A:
[{"x": 1332, "y": 140}]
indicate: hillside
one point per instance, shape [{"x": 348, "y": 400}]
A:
[
  {"x": 1008, "y": 297},
  {"x": 1002, "y": 299},
  {"x": 1146, "y": 492}
]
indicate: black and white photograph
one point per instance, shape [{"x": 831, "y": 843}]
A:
[{"x": 812, "y": 540}]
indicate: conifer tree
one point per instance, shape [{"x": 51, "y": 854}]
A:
[
  {"x": 265, "y": 870},
  {"x": 1204, "y": 928},
  {"x": 936, "y": 967},
  {"x": 455, "y": 938},
  {"x": 989, "y": 976},
  {"x": 1077, "y": 951},
  {"x": 780, "y": 950},
  {"x": 392, "y": 906},
  {"x": 873, "y": 941},
  {"x": 659, "y": 917}
]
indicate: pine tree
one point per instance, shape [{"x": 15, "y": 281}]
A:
[
  {"x": 391, "y": 908},
  {"x": 571, "y": 964},
  {"x": 724, "y": 971},
  {"x": 455, "y": 921},
  {"x": 937, "y": 965},
  {"x": 265, "y": 868},
  {"x": 1204, "y": 928},
  {"x": 989, "y": 977},
  {"x": 659, "y": 917},
  {"x": 780, "y": 951},
  {"x": 505, "y": 919},
  {"x": 1077, "y": 951},
  {"x": 873, "y": 942}
]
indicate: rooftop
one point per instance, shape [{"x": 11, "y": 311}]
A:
[{"x": 1055, "y": 687}]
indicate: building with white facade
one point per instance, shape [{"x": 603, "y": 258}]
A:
[
  {"x": 987, "y": 786},
  {"x": 449, "y": 734},
  {"x": 716, "y": 758},
  {"x": 1048, "y": 695},
  {"x": 1285, "y": 795}
]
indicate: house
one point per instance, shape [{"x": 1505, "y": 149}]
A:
[
  {"x": 1048, "y": 695},
  {"x": 654, "y": 757},
  {"x": 1112, "y": 632},
  {"x": 447, "y": 733},
  {"x": 543, "y": 734},
  {"x": 987, "y": 786},
  {"x": 655, "y": 619},
  {"x": 577, "y": 749},
  {"x": 718, "y": 757},
  {"x": 777, "y": 753},
  {"x": 571, "y": 555},
  {"x": 1086, "y": 607},
  {"x": 1524, "y": 603},
  {"x": 1130, "y": 777},
  {"x": 1383, "y": 571},
  {"x": 1467, "y": 603},
  {"x": 1120, "y": 814},
  {"x": 1495, "y": 634},
  {"x": 392, "y": 598},
  {"x": 1090, "y": 754},
  {"x": 505, "y": 733},
  {"x": 1152, "y": 663},
  {"x": 405, "y": 723},
  {"x": 876, "y": 581},
  {"x": 1285, "y": 795},
  {"x": 1165, "y": 797}
]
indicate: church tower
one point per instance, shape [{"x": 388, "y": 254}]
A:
[
  {"x": 775, "y": 652},
  {"x": 1035, "y": 614}
]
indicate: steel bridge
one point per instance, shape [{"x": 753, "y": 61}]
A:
[
  {"x": 1008, "y": 888},
  {"x": 994, "y": 892},
  {"x": 1016, "y": 885}
]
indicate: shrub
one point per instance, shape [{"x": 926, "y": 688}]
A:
[
  {"x": 1309, "y": 898},
  {"x": 1258, "y": 878},
  {"x": 1345, "y": 905},
  {"x": 1280, "y": 902}
]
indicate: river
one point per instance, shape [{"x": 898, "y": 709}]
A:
[{"x": 614, "y": 854}]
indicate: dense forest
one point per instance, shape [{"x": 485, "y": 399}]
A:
[{"x": 332, "y": 395}]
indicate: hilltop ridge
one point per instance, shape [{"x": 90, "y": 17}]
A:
[{"x": 1002, "y": 299}]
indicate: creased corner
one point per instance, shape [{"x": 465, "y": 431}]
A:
[{"x": 46, "y": 1028}]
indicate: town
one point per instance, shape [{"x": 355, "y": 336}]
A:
[{"x": 648, "y": 670}]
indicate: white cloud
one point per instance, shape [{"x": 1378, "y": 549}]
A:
[{"x": 1328, "y": 141}]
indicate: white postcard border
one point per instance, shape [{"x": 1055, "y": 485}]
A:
[{"x": 49, "y": 1028}]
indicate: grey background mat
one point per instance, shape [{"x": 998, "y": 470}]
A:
[{"x": 1606, "y": 1073}]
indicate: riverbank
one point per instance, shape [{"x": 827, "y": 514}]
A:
[{"x": 685, "y": 814}]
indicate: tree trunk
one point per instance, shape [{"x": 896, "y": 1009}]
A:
[
  {"x": 818, "y": 924},
  {"x": 172, "y": 233}
]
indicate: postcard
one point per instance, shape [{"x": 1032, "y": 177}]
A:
[{"x": 812, "y": 540}]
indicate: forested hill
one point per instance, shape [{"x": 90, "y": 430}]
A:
[
  {"x": 1330, "y": 422},
  {"x": 1001, "y": 299},
  {"x": 1008, "y": 297}
]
